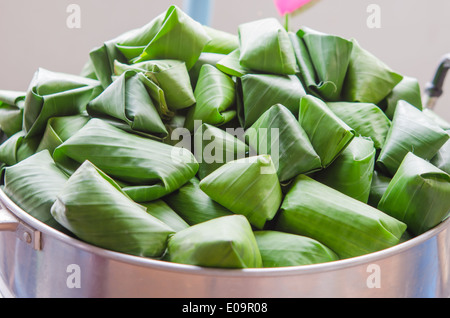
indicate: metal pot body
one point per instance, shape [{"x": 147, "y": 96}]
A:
[{"x": 37, "y": 261}]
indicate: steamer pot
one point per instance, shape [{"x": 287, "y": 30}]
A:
[{"x": 37, "y": 261}]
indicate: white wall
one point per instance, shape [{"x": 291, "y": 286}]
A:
[{"x": 412, "y": 38}]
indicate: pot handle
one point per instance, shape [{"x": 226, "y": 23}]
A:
[
  {"x": 433, "y": 89},
  {"x": 8, "y": 222}
]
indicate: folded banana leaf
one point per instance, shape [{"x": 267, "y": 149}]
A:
[
  {"x": 258, "y": 92},
  {"x": 442, "y": 159},
  {"x": 368, "y": 120},
  {"x": 265, "y": 47},
  {"x": 328, "y": 134},
  {"x": 225, "y": 242},
  {"x": 33, "y": 185},
  {"x": 94, "y": 208},
  {"x": 54, "y": 94},
  {"x": 351, "y": 173},
  {"x": 145, "y": 168},
  {"x": 330, "y": 56},
  {"x": 247, "y": 186},
  {"x": 231, "y": 65},
  {"x": 171, "y": 76},
  {"x": 194, "y": 205},
  {"x": 408, "y": 90},
  {"x": 59, "y": 129},
  {"x": 161, "y": 38},
  {"x": 216, "y": 98},
  {"x": 418, "y": 195},
  {"x": 345, "y": 225},
  {"x": 379, "y": 185},
  {"x": 17, "y": 148},
  {"x": 163, "y": 212},
  {"x": 278, "y": 133},
  {"x": 279, "y": 249},
  {"x": 213, "y": 147},
  {"x": 411, "y": 131},
  {"x": 127, "y": 102},
  {"x": 221, "y": 42},
  {"x": 368, "y": 80},
  {"x": 11, "y": 111}
]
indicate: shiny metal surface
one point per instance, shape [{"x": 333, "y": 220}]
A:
[{"x": 66, "y": 267}]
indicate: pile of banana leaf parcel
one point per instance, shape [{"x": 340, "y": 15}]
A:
[{"x": 264, "y": 148}]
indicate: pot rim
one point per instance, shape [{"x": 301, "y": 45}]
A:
[{"x": 162, "y": 265}]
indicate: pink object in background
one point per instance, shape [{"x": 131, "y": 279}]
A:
[{"x": 289, "y": 6}]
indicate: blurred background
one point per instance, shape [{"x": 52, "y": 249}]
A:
[{"x": 411, "y": 38}]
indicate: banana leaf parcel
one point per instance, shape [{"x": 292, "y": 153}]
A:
[
  {"x": 247, "y": 186},
  {"x": 33, "y": 185},
  {"x": 11, "y": 111},
  {"x": 53, "y": 94},
  {"x": 442, "y": 159},
  {"x": 408, "y": 90},
  {"x": 163, "y": 212},
  {"x": 216, "y": 98},
  {"x": 411, "y": 131},
  {"x": 345, "y": 225},
  {"x": 145, "y": 168},
  {"x": 225, "y": 242},
  {"x": 17, "y": 148},
  {"x": 327, "y": 58},
  {"x": 127, "y": 102},
  {"x": 265, "y": 47},
  {"x": 278, "y": 133},
  {"x": 94, "y": 208},
  {"x": 329, "y": 135},
  {"x": 280, "y": 249},
  {"x": 419, "y": 195}
]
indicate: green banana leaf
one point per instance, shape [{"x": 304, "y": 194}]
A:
[
  {"x": 411, "y": 131},
  {"x": 330, "y": 56},
  {"x": 352, "y": 171},
  {"x": 306, "y": 73},
  {"x": 159, "y": 39},
  {"x": 230, "y": 64},
  {"x": 378, "y": 187},
  {"x": 18, "y": 147},
  {"x": 258, "y": 92},
  {"x": 225, "y": 242},
  {"x": 194, "y": 205},
  {"x": 347, "y": 226},
  {"x": 33, "y": 185},
  {"x": 265, "y": 47},
  {"x": 278, "y": 133},
  {"x": 216, "y": 99},
  {"x": 418, "y": 195},
  {"x": 247, "y": 186},
  {"x": 171, "y": 76},
  {"x": 145, "y": 168},
  {"x": 54, "y": 94},
  {"x": 94, "y": 208},
  {"x": 59, "y": 129},
  {"x": 329, "y": 135},
  {"x": 11, "y": 111},
  {"x": 368, "y": 120},
  {"x": 442, "y": 159},
  {"x": 127, "y": 102},
  {"x": 368, "y": 80},
  {"x": 279, "y": 249},
  {"x": 213, "y": 147},
  {"x": 409, "y": 91},
  {"x": 205, "y": 58},
  {"x": 163, "y": 212},
  {"x": 221, "y": 42}
]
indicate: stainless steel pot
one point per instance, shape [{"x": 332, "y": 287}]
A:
[{"x": 38, "y": 261}]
